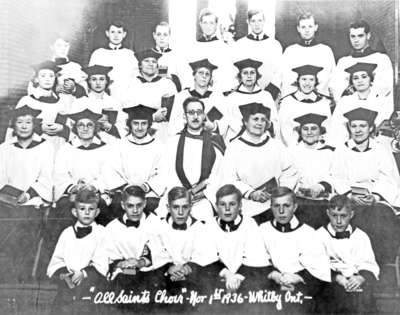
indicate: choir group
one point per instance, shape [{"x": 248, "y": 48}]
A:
[{"x": 229, "y": 165}]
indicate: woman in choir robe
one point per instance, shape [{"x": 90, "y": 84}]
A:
[
  {"x": 149, "y": 88},
  {"x": 248, "y": 91},
  {"x": 313, "y": 160},
  {"x": 297, "y": 255},
  {"x": 303, "y": 101},
  {"x": 362, "y": 80},
  {"x": 366, "y": 171},
  {"x": 238, "y": 242},
  {"x": 98, "y": 100},
  {"x": 49, "y": 103},
  {"x": 213, "y": 100},
  {"x": 255, "y": 162},
  {"x": 353, "y": 266},
  {"x": 139, "y": 156}
]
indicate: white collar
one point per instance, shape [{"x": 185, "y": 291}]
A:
[
  {"x": 294, "y": 223},
  {"x": 114, "y": 47},
  {"x": 35, "y": 137},
  {"x": 146, "y": 139},
  {"x": 79, "y": 224},
  {"x": 76, "y": 142},
  {"x": 333, "y": 232}
]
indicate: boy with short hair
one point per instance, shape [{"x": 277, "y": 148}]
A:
[
  {"x": 70, "y": 264},
  {"x": 352, "y": 260}
]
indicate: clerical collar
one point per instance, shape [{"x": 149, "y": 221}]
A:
[
  {"x": 36, "y": 140},
  {"x": 146, "y": 140},
  {"x": 161, "y": 50},
  {"x": 362, "y": 53},
  {"x": 308, "y": 43},
  {"x": 205, "y": 38},
  {"x": 311, "y": 98},
  {"x": 143, "y": 80},
  {"x": 293, "y": 225},
  {"x": 114, "y": 47},
  {"x": 96, "y": 143},
  {"x": 243, "y": 90},
  {"x": 93, "y": 95},
  {"x": 340, "y": 235},
  {"x": 257, "y": 37},
  {"x": 353, "y": 146},
  {"x": 194, "y": 93},
  {"x": 230, "y": 226},
  {"x": 245, "y": 138}
]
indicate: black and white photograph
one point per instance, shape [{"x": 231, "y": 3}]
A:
[{"x": 199, "y": 157}]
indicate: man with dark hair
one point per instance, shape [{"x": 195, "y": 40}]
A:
[
  {"x": 308, "y": 50},
  {"x": 360, "y": 36},
  {"x": 191, "y": 159},
  {"x": 297, "y": 255},
  {"x": 121, "y": 59},
  {"x": 259, "y": 46}
]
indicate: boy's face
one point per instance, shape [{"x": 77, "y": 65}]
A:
[
  {"x": 98, "y": 82},
  {"x": 228, "y": 207},
  {"x": 358, "y": 38},
  {"x": 46, "y": 78},
  {"x": 60, "y": 48},
  {"x": 85, "y": 212},
  {"x": 115, "y": 34},
  {"x": 283, "y": 208},
  {"x": 307, "y": 28},
  {"x": 256, "y": 23},
  {"x": 208, "y": 25},
  {"x": 179, "y": 210},
  {"x": 133, "y": 207},
  {"x": 161, "y": 36},
  {"x": 340, "y": 218}
]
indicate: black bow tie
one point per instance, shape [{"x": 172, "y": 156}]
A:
[
  {"x": 283, "y": 227},
  {"x": 130, "y": 223},
  {"x": 342, "y": 235},
  {"x": 228, "y": 226},
  {"x": 307, "y": 100},
  {"x": 81, "y": 232},
  {"x": 181, "y": 227}
]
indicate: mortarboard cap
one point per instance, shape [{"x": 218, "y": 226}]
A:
[
  {"x": 140, "y": 112},
  {"x": 147, "y": 54},
  {"x": 203, "y": 63},
  {"x": 254, "y": 108},
  {"x": 97, "y": 69},
  {"x": 310, "y": 118},
  {"x": 48, "y": 64},
  {"x": 248, "y": 63},
  {"x": 361, "y": 114},
  {"x": 25, "y": 110},
  {"x": 361, "y": 66},
  {"x": 307, "y": 70},
  {"x": 87, "y": 113}
]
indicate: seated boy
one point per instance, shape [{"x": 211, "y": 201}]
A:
[
  {"x": 187, "y": 244},
  {"x": 353, "y": 266},
  {"x": 70, "y": 264},
  {"x": 298, "y": 257},
  {"x": 237, "y": 241}
]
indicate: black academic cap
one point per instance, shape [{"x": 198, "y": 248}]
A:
[
  {"x": 254, "y": 108},
  {"x": 307, "y": 69},
  {"x": 146, "y": 54},
  {"x": 97, "y": 69},
  {"x": 203, "y": 63},
  {"x": 25, "y": 110},
  {"x": 87, "y": 113},
  {"x": 140, "y": 112},
  {"x": 48, "y": 64},
  {"x": 310, "y": 118},
  {"x": 246, "y": 63},
  {"x": 361, "y": 114},
  {"x": 361, "y": 66}
]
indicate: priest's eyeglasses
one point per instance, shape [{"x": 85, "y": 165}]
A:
[
  {"x": 89, "y": 125},
  {"x": 195, "y": 112}
]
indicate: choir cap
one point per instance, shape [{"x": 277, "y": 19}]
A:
[
  {"x": 87, "y": 113},
  {"x": 203, "y": 63},
  {"x": 361, "y": 114},
  {"x": 25, "y": 110},
  {"x": 254, "y": 108},
  {"x": 147, "y": 54},
  {"x": 310, "y": 118},
  {"x": 307, "y": 70},
  {"x": 48, "y": 64},
  {"x": 140, "y": 112},
  {"x": 247, "y": 63},
  {"x": 361, "y": 66},
  {"x": 97, "y": 69}
]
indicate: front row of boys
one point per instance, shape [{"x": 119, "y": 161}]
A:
[{"x": 139, "y": 251}]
